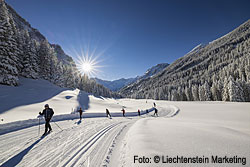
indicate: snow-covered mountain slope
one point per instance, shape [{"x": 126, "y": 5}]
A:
[
  {"x": 186, "y": 129},
  {"x": 196, "y": 49},
  {"x": 22, "y": 25},
  {"x": 218, "y": 71},
  {"x": 154, "y": 70},
  {"x": 25, "y": 52},
  {"x": 116, "y": 85},
  {"x": 25, "y": 101}
]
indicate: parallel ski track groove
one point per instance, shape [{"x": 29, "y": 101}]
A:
[
  {"x": 52, "y": 155},
  {"x": 88, "y": 144}
]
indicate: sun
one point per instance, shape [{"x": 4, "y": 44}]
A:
[{"x": 87, "y": 65}]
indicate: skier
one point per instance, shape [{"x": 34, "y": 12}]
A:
[
  {"x": 108, "y": 113},
  {"x": 156, "y": 112},
  {"x": 147, "y": 111},
  {"x": 123, "y": 112},
  {"x": 139, "y": 112},
  {"x": 48, "y": 114},
  {"x": 80, "y": 112},
  {"x": 154, "y": 105}
]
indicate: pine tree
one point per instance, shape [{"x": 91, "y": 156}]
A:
[
  {"x": 8, "y": 49},
  {"x": 201, "y": 93},
  {"x": 235, "y": 91},
  {"x": 45, "y": 60},
  {"x": 215, "y": 90},
  {"x": 207, "y": 91},
  {"x": 59, "y": 75},
  {"x": 69, "y": 77},
  {"x": 156, "y": 94},
  {"x": 30, "y": 60},
  {"x": 195, "y": 92},
  {"x": 174, "y": 95},
  {"x": 188, "y": 94},
  {"x": 225, "y": 92}
]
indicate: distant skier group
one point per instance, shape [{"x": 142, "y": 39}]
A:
[
  {"x": 48, "y": 114},
  {"x": 139, "y": 111},
  {"x": 109, "y": 115}
]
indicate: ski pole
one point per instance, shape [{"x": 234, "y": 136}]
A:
[
  {"x": 39, "y": 126},
  {"x": 57, "y": 124}
]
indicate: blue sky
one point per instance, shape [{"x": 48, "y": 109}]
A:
[{"x": 130, "y": 36}]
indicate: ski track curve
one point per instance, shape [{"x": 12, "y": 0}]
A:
[{"x": 86, "y": 144}]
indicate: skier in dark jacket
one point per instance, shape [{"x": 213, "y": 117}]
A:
[
  {"x": 139, "y": 112},
  {"x": 80, "y": 113},
  {"x": 156, "y": 112},
  {"x": 123, "y": 112},
  {"x": 48, "y": 114},
  {"x": 108, "y": 113},
  {"x": 154, "y": 104}
]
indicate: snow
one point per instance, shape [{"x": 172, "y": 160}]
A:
[
  {"x": 27, "y": 100},
  {"x": 183, "y": 128},
  {"x": 116, "y": 85},
  {"x": 196, "y": 48},
  {"x": 219, "y": 38},
  {"x": 200, "y": 129}
]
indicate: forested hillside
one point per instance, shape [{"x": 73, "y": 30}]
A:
[
  {"x": 25, "y": 52},
  {"x": 118, "y": 84},
  {"x": 218, "y": 71}
]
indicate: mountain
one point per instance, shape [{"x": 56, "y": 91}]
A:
[
  {"x": 153, "y": 70},
  {"x": 116, "y": 85},
  {"x": 25, "y": 52},
  {"x": 217, "y": 71}
]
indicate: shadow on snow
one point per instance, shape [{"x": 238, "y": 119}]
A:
[
  {"x": 18, "y": 158},
  {"x": 31, "y": 91}
]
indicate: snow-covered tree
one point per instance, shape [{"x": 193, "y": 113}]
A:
[
  {"x": 216, "y": 91},
  {"x": 8, "y": 49},
  {"x": 45, "y": 60},
  {"x": 209, "y": 66},
  {"x": 188, "y": 94},
  {"x": 225, "y": 92},
  {"x": 235, "y": 91},
  {"x": 174, "y": 95},
  {"x": 195, "y": 92},
  {"x": 30, "y": 59},
  {"x": 204, "y": 92}
]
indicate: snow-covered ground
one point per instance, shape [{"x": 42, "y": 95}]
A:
[
  {"x": 186, "y": 129},
  {"x": 27, "y": 100},
  {"x": 200, "y": 129}
]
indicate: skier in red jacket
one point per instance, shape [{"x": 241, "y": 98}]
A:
[
  {"x": 123, "y": 112},
  {"x": 139, "y": 112}
]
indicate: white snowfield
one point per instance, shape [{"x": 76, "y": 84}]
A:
[{"x": 188, "y": 130}]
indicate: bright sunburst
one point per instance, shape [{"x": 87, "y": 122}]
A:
[
  {"x": 87, "y": 64},
  {"x": 87, "y": 67}
]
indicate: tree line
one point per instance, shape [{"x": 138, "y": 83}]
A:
[
  {"x": 219, "y": 71},
  {"x": 24, "y": 52}
]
